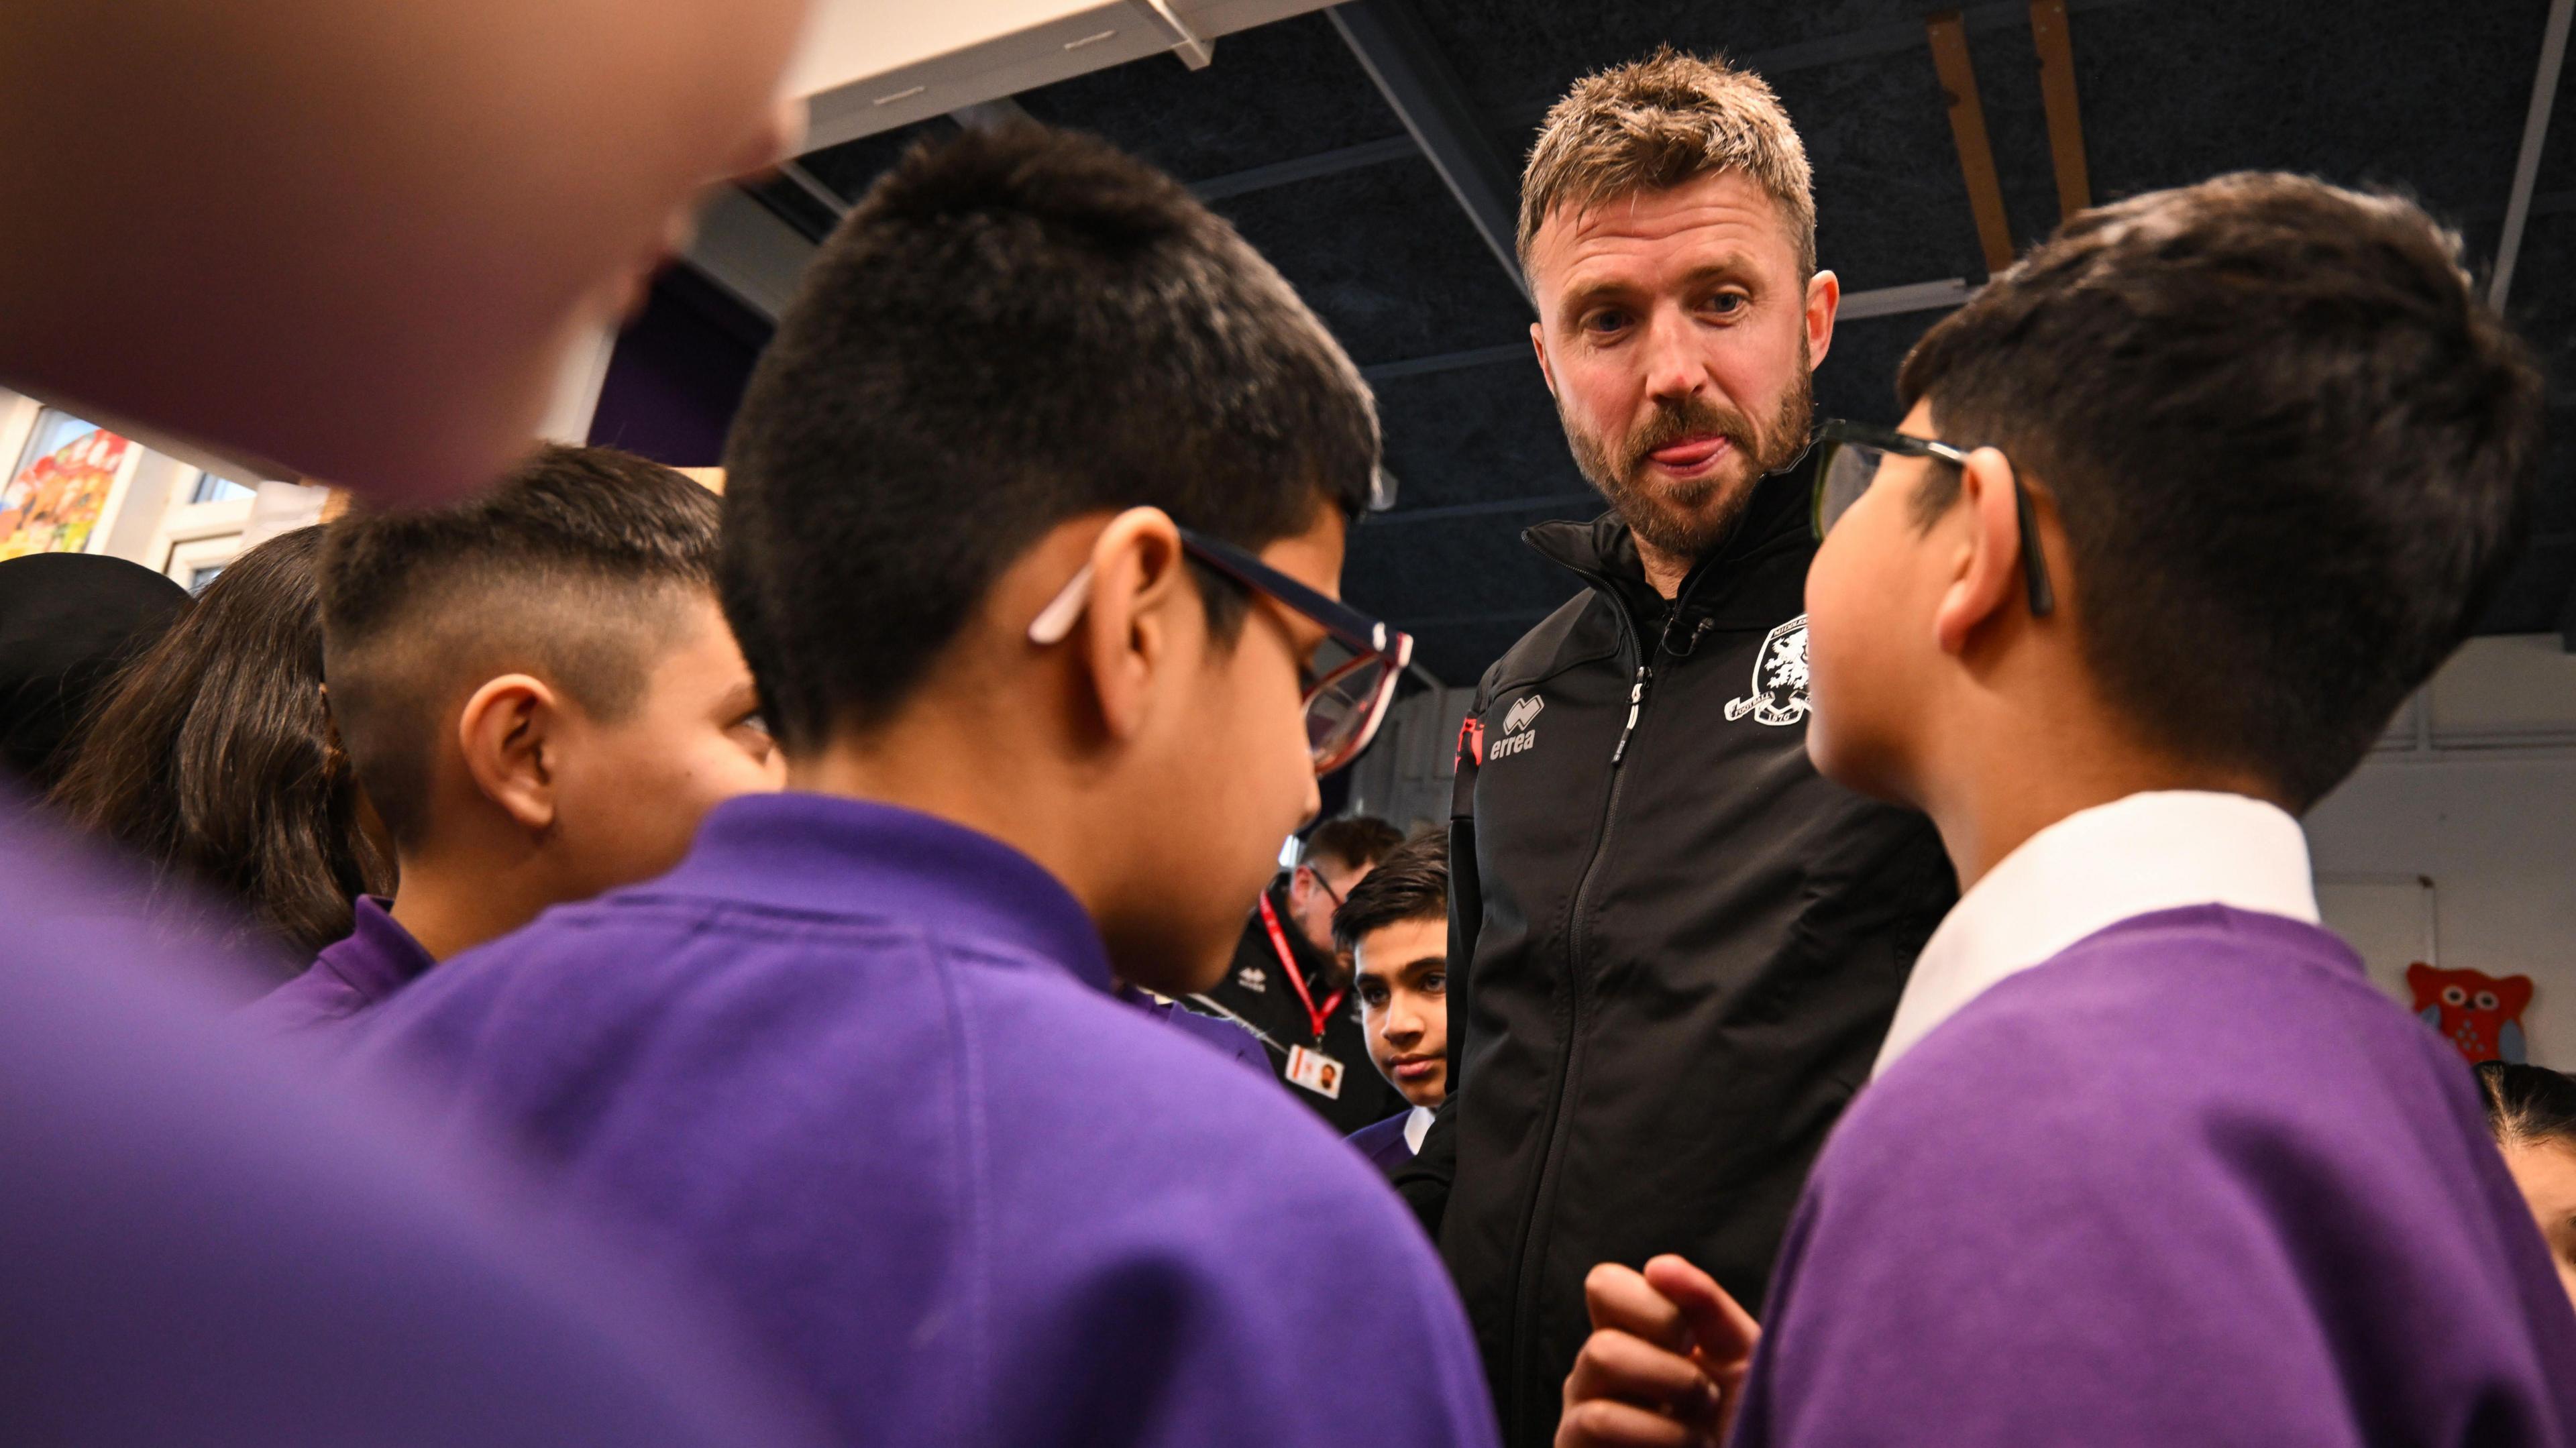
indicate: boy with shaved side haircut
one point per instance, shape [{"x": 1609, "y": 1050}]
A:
[
  {"x": 1038, "y": 642},
  {"x": 2181, "y": 510},
  {"x": 541, "y": 699}
]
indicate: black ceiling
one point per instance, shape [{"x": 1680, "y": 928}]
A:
[{"x": 2427, "y": 97}]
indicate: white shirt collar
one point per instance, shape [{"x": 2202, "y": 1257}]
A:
[
  {"x": 1416, "y": 1126},
  {"x": 2159, "y": 850}
]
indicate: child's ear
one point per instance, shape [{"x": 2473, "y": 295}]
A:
[
  {"x": 510, "y": 731},
  {"x": 1989, "y": 565},
  {"x": 1129, "y": 631}
]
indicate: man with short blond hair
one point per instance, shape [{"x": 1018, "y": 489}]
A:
[{"x": 1678, "y": 947}]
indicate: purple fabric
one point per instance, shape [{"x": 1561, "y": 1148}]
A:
[
  {"x": 860, "y": 1068},
  {"x": 1236, "y": 1042},
  {"x": 376, "y": 959},
  {"x": 1383, "y": 1143},
  {"x": 2192, "y": 1181},
  {"x": 200, "y": 1250}
]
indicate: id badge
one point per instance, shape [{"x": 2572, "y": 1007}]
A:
[{"x": 1316, "y": 1072}]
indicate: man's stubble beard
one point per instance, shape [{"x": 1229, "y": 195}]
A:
[{"x": 1696, "y": 516}]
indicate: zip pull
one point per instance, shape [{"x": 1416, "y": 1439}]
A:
[{"x": 1636, "y": 701}]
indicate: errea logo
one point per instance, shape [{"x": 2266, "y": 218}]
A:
[{"x": 1518, "y": 737}]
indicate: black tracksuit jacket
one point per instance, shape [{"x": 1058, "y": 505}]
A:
[{"x": 1684, "y": 944}]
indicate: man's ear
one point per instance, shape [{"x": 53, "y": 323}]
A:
[
  {"x": 1132, "y": 631},
  {"x": 1538, "y": 344},
  {"x": 509, "y": 732},
  {"x": 1301, "y": 886},
  {"x": 1824, "y": 299},
  {"x": 1988, "y": 569}
]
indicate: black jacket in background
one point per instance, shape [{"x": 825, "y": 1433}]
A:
[
  {"x": 1256, "y": 991},
  {"x": 1684, "y": 948}
]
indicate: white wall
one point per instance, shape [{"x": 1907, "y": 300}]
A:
[{"x": 2477, "y": 794}]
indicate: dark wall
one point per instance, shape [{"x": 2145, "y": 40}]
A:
[{"x": 678, "y": 372}]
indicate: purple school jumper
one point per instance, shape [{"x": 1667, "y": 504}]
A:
[
  {"x": 1383, "y": 1143},
  {"x": 2190, "y": 1181},
  {"x": 376, "y": 959},
  {"x": 201, "y": 1249},
  {"x": 1236, "y": 1042},
  {"x": 859, "y": 1069}
]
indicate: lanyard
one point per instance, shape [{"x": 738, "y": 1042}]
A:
[{"x": 1288, "y": 961}]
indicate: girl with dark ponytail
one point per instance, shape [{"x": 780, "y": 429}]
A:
[{"x": 212, "y": 757}]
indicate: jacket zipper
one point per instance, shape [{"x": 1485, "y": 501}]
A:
[
  {"x": 1636, "y": 701},
  {"x": 1533, "y": 1240}
]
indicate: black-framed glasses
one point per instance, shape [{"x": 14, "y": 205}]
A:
[
  {"x": 1849, "y": 457},
  {"x": 1346, "y": 705}
]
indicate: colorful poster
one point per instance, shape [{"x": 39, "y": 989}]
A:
[{"x": 55, "y": 500}]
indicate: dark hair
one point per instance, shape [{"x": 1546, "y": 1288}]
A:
[
  {"x": 212, "y": 755},
  {"x": 2291, "y": 447},
  {"x": 1014, "y": 328},
  {"x": 68, "y": 622},
  {"x": 1411, "y": 883},
  {"x": 566, "y": 570},
  {"x": 1351, "y": 841},
  {"x": 2527, "y": 1104}
]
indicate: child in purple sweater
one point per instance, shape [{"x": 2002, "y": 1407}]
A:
[{"x": 2182, "y": 508}]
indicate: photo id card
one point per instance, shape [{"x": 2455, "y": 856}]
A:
[{"x": 1316, "y": 1072}]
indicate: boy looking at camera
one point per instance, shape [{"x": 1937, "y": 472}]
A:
[{"x": 1395, "y": 929}]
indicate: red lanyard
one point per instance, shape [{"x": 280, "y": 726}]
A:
[{"x": 1297, "y": 978}]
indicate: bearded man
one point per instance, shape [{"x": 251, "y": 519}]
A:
[{"x": 1677, "y": 946}]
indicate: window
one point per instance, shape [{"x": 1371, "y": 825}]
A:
[
  {"x": 212, "y": 488},
  {"x": 198, "y": 578}
]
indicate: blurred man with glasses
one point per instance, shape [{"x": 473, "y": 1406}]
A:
[
  {"x": 1290, "y": 985},
  {"x": 1676, "y": 946}
]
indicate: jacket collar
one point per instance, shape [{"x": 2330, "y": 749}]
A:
[
  {"x": 377, "y": 957},
  {"x": 1604, "y": 554},
  {"x": 823, "y": 854}
]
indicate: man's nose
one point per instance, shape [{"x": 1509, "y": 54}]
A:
[
  {"x": 1674, "y": 368},
  {"x": 1403, "y": 1025}
]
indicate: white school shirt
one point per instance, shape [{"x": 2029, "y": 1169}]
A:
[{"x": 2157, "y": 850}]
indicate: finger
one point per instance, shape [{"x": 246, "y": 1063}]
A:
[
  {"x": 1719, "y": 1326},
  {"x": 1620, "y": 1300},
  {"x": 1613, "y": 1365},
  {"x": 1602, "y": 1424}
]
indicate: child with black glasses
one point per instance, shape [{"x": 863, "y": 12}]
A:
[
  {"x": 1034, "y": 517},
  {"x": 2183, "y": 507}
]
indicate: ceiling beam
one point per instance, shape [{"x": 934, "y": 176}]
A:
[
  {"x": 1448, "y": 361},
  {"x": 1306, "y": 168},
  {"x": 1406, "y": 65},
  {"x": 2535, "y": 131},
  {"x": 1949, "y": 36},
  {"x": 812, "y": 185},
  {"x": 1375, "y": 521},
  {"x": 2048, "y": 31}
]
